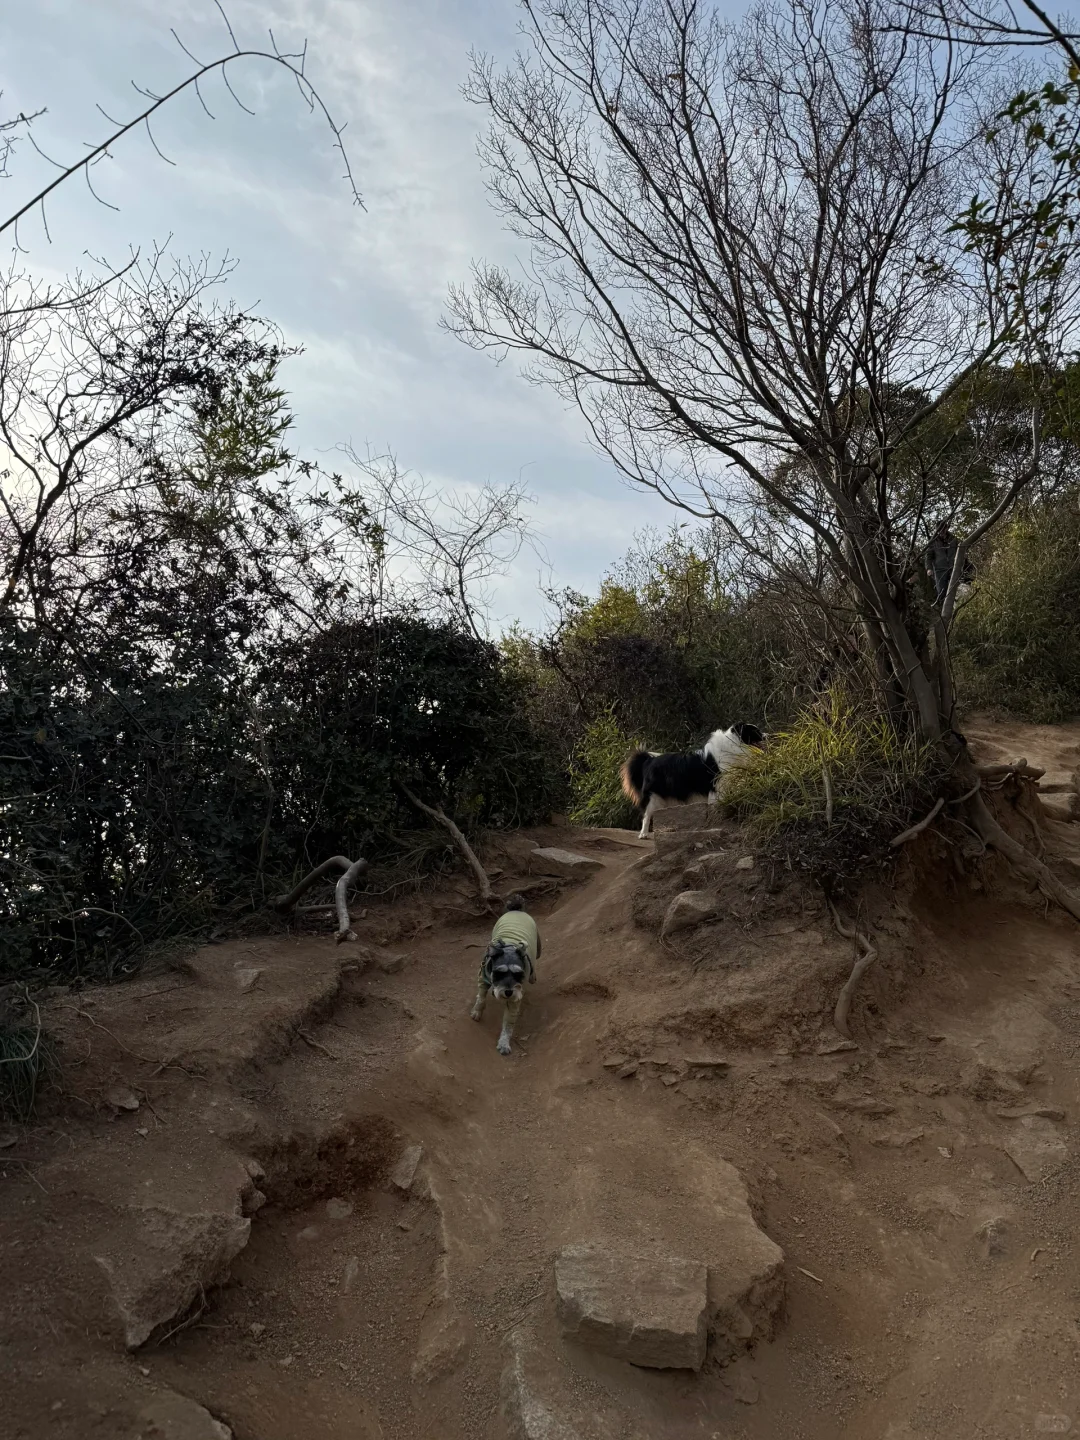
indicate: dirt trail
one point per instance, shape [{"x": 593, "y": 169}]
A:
[{"x": 932, "y": 1286}]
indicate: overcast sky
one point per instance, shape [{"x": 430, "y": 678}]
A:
[{"x": 361, "y": 290}]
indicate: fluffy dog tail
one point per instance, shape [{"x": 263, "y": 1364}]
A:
[{"x": 633, "y": 774}]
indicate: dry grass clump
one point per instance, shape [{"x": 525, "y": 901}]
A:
[{"x": 829, "y": 794}]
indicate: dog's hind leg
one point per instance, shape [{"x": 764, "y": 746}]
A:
[
  {"x": 510, "y": 1015},
  {"x": 477, "y": 1011},
  {"x": 651, "y": 805}
]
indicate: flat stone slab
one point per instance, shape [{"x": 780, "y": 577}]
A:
[
  {"x": 404, "y": 1172},
  {"x": 564, "y": 863},
  {"x": 649, "y": 1310}
]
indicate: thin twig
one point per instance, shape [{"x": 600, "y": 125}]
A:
[
  {"x": 315, "y": 1044},
  {"x": 827, "y": 782}
]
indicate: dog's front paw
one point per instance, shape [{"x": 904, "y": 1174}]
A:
[
  {"x": 503, "y": 1045},
  {"x": 476, "y": 1013}
]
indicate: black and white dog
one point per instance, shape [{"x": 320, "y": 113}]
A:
[{"x": 652, "y": 781}]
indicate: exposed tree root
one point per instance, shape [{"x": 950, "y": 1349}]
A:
[
  {"x": 1009, "y": 767},
  {"x": 353, "y": 870},
  {"x": 862, "y": 964},
  {"x": 487, "y": 894},
  {"x": 1000, "y": 840},
  {"x": 917, "y": 829}
]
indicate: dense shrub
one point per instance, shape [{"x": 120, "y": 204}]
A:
[
  {"x": 1017, "y": 639},
  {"x": 139, "y": 800},
  {"x": 596, "y": 791}
]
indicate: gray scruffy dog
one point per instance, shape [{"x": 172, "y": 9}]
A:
[{"x": 508, "y": 960}]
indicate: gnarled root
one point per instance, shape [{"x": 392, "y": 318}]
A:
[
  {"x": 353, "y": 870},
  {"x": 862, "y": 964},
  {"x": 1000, "y": 840}
]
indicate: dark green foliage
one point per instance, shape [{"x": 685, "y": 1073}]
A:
[
  {"x": 596, "y": 791},
  {"x": 138, "y": 803},
  {"x": 1017, "y": 640}
]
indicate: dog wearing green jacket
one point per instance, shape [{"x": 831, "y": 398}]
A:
[{"x": 509, "y": 959}]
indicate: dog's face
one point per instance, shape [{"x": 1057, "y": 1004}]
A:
[
  {"x": 749, "y": 734},
  {"x": 507, "y": 974}
]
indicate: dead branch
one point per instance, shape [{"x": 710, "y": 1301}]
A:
[
  {"x": 1000, "y": 840},
  {"x": 441, "y": 818},
  {"x": 862, "y": 964},
  {"x": 919, "y": 827},
  {"x": 827, "y": 782},
  {"x": 353, "y": 870},
  {"x": 341, "y": 899}
]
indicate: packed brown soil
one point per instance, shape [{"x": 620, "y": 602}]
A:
[{"x": 920, "y": 1181}]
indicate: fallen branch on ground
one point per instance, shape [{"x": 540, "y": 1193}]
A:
[
  {"x": 441, "y": 818},
  {"x": 862, "y": 964},
  {"x": 912, "y": 831},
  {"x": 353, "y": 870}
]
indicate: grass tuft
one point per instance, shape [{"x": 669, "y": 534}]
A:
[
  {"x": 24, "y": 1058},
  {"x": 830, "y": 793}
]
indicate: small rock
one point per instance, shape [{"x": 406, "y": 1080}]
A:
[
  {"x": 120, "y": 1098},
  {"x": 669, "y": 1079},
  {"x": 613, "y": 1062},
  {"x": 253, "y": 1201},
  {"x": 247, "y": 977},
  {"x": 404, "y": 1172},
  {"x": 257, "y": 1329},
  {"x": 707, "y": 870},
  {"x": 255, "y": 1170},
  {"x": 745, "y": 862},
  {"x": 1036, "y": 1148},
  {"x": 1052, "y": 1424},
  {"x": 169, "y": 1416},
  {"x": 631, "y": 1068},
  {"x": 743, "y": 1388},
  {"x": 1021, "y": 1112},
  {"x": 563, "y": 863},
  {"x": 309, "y": 1232},
  {"x": 860, "y": 1105},
  {"x": 390, "y": 964},
  {"x": 352, "y": 1270},
  {"x": 286, "y": 1361},
  {"x": 835, "y": 1045},
  {"x": 937, "y": 1038},
  {"x": 897, "y": 1139},
  {"x": 1061, "y": 807},
  {"x": 8, "y": 1138},
  {"x": 338, "y": 1209},
  {"x": 993, "y": 1234},
  {"x": 704, "y": 1067},
  {"x": 691, "y": 908},
  {"x": 142, "y": 1130},
  {"x": 649, "y": 1310}
]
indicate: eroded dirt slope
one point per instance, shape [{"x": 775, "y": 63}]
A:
[{"x": 922, "y": 1186}]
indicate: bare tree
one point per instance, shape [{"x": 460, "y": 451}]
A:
[
  {"x": 741, "y": 254},
  {"x": 294, "y": 62},
  {"x": 445, "y": 548}
]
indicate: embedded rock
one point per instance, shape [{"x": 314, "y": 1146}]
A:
[
  {"x": 1062, "y": 806},
  {"x": 692, "y": 907},
  {"x": 647, "y": 1309},
  {"x": 169, "y": 1259},
  {"x": 563, "y": 863},
  {"x": 170, "y": 1416},
  {"x": 1036, "y": 1148}
]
